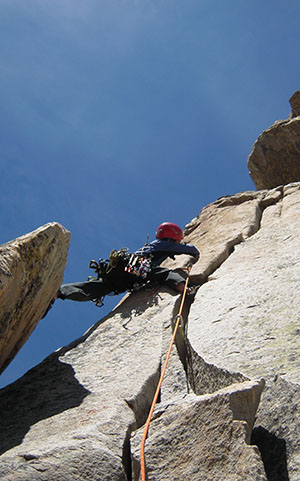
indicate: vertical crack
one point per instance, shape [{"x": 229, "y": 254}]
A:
[
  {"x": 140, "y": 406},
  {"x": 126, "y": 455},
  {"x": 141, "y": 403},
  {"x": 262, "y": 199},
  {"x": 203, "y": 377}
]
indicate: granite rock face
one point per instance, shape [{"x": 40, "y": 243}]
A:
[
  {"x": 76, "y": 410},
  {"x": 79, "y": 414},
  {"x": 31, "y": 270},
  {"x": 275, "y": 156},
  {"x": 248, "y": 313},
  {"x": 252, "y": 299},
  {"x": 212, "y": 429},
  {"x": 72, "y": 416},
  {"x": 277, "y": 430}
]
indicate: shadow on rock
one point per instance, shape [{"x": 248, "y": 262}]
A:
[
  {"x": 46, "y": 390},
  {"x": 273, "y": 453},
  {"x": 137, "y": 302}
]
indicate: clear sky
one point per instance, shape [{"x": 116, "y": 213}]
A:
[{"x": 116, "y": 115}]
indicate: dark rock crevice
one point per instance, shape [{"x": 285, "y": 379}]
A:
[
  {"x": 140, "y": 406},
  {"x": 273, "y": 453},
  {"x": 202, "y": 377},
  {"x": 141, "y": 403},
  {"x": 126, "y": 456},
  {"x": 276, "y": 432}
]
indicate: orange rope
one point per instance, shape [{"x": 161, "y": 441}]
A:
[{"x": 146, "y": 429}]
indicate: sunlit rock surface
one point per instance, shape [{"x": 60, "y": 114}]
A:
[
  {"x": 79, "y": 414},
  {"x": 275, "y": 156},
  {"x": 71, "y": 417},
  {"x": 212, "y": 428},
  {"x": 31, "y": 270},
  {"x": 249, "y": 305},
  {"x": 246, "y": 319}
]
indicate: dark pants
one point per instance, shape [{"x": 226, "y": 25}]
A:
[{"x": 117, "y": 282}]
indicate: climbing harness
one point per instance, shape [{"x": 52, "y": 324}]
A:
[
  {"x": 137, "y": 265},
  {"x": 179, "y": 321}
]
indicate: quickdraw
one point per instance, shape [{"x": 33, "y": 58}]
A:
[
  {"x": 117, "y": 256},
  {"x": 100, "y": 268},
  {"x": 99, "y": 302}
]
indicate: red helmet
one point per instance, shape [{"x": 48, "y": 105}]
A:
[{"x": 168, "y": 230}]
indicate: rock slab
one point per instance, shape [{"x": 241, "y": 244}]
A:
[
  {"x": 204, "y": 437},
  {"x": 70, "y": 418},
  {"x": 248, "y": 309},
  {"x": 31, "y": 271}
]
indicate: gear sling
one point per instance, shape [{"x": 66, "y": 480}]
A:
[
  {"x": 121, "y": 272},
  {"x": 121, "y": 262}
]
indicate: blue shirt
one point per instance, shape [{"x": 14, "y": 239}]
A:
[{"x": 161, "y": 249}]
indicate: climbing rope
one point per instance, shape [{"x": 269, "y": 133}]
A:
[{"x": 146, "y": 429}]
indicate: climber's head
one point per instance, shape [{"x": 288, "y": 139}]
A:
[{"x": 168, "y": 230}]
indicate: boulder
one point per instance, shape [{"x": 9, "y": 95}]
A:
[
  {"x": 295, "y": 104},
  {"x": 31, "y": 271},
  {"x": 275, "y": 156}
]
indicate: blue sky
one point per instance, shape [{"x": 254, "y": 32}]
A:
[{"x": 117, "y": 115}]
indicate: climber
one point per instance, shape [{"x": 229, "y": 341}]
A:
[{"x": 125, "y": 271}]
